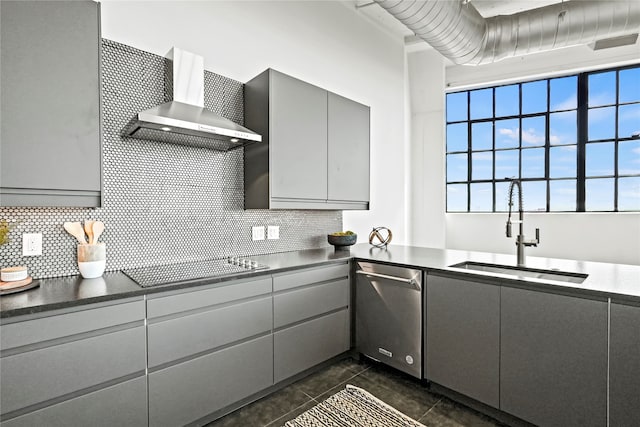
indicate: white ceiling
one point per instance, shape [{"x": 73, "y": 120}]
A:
[{"x": 487, "y": 8}]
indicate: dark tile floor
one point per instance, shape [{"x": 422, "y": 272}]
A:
[{"x": 398, "y": 390}]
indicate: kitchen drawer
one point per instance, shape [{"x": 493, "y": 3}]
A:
[
  {"x": 308, "y": 344},
  {"x": 39, "y": 375},
  {"x": 178, "y": 301},
  {"x": 187, "y": 335},
  {"x": 189, "y": 391},
  {"x": 299, "y": 304},
  {"x": 123, "y": 404},
  {"x": 22, "y": 333},
  {"x": 309, "y": 276}
]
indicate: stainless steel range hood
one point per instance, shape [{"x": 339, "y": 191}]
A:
[{"x": 184, "y": 120}]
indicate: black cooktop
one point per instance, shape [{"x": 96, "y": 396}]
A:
[{"x": 175, "y": 273}]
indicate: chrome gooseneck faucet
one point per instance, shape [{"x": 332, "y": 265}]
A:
[{"x": 520, "y": 240}]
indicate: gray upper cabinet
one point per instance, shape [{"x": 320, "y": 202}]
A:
[
  {"x": 299, "y": 148},
  {"x": 553, "y": 358},
  {"x": 348, "y": 150},
  {"x": 50, "y": 102},
  {"x": 315, "y": 149},
  {"x": 624, "y": 366},
  {"x": 463, "y": 337}
]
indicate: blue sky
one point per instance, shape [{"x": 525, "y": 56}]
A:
[{"x": 522, "y": 141}]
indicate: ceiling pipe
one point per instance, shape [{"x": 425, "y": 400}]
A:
[{"x": 458, "y": 31}]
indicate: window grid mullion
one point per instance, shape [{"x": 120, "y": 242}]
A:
[{"x": 583, "y": 96}]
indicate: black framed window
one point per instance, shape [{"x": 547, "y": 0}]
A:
[{"x": 574, "y": 141}]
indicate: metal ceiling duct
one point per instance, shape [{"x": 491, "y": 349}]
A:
[{"x": 457, "y": 30}]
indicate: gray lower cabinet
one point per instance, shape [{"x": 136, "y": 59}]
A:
[
  {"x": 553, "y": 358},
  {"x": 208, "y": 347},
  {"x": 462, "y": 342},
  {"x": 50, "y": 101},
  {"x": 315, "y": 149},
  {"x": 186, "y": 392},
  {"x": 68, "y": 366},
  {"x": 123, "y": 404},
  {"x": 311, "y": 311},
  {"x": 624, "y": 366}
]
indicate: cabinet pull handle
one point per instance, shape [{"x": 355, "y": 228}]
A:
[{"x": 385, "y": 276}]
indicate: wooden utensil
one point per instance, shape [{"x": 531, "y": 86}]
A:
[
  {"x": 88, "y": 228},
  {"x": 98, "y": 228},
  {"x": 75, "y": 229}
]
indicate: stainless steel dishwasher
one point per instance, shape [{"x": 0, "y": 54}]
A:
[{"x": 389, "y": 315}]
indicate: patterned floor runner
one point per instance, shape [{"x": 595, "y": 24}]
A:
[{"x": 353, "y": 407}]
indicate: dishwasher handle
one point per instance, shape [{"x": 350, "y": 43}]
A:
[{"x": 412, "y": 281}]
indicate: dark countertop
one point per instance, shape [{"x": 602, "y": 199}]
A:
[{"x": 617, "y": 281}]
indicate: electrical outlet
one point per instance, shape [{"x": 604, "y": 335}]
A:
[
  {"x": 31, "y": 244},
  {"x": 273, "y": 232},
  {"x": 257, "y": 233}
]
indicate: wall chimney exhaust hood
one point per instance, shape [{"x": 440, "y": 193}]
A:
[{"x": 184, "y": 120}]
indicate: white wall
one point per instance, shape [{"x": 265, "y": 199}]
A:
[
  {"x": 588, "y": 236},
  {"x": 426, "y": 222},
  {"x": 585, "y": 236},
  {"x": 325, "y": 43}
]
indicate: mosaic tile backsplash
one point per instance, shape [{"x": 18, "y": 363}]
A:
[{"x": 162, "y": 203}]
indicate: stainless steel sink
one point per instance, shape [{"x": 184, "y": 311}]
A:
[{"x": 523, "y": 272}]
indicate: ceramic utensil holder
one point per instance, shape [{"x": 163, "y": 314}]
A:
[{"x": 92, "y": 259}]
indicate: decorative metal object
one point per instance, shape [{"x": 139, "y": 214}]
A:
[{"x": 381, "y": 235}]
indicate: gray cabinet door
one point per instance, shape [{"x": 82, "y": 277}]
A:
[
  {"x": 37, "y": 376},
  {"x": 179, "y": 337},
  {"x": 301, "y": 304},
  {"x": 553, "y": 358},
  {"x": 624, "y": 366},
  {"x": 348, "y": 150},
  {"x": 298, "y": 139},
  {"x": 50, "y": 103},
  {"x": 307, "y": 344},
  {"x": 186, "y": 392},
  {"x": 123, "y": 404},
  {"x": 463, "y": 337}
]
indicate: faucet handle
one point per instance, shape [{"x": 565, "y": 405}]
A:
[{"x": 535, "y": 242}]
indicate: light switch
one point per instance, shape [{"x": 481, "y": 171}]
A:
[
  {"x": 273, "y": 232},
  {"x": 257, "y": 233},
  {"x": 31, "y": 244}
]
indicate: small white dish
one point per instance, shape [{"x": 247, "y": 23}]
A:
[
  {"x": 92, "y": 269},
  {"x": 13, "y": 274}
]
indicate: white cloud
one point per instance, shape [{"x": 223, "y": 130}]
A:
[
  {"x": 630, "y": 113},
  {"x": 566, "y": 191},
  {"x": 511, "y": 133},
  {"x": 567, "y": 104},
  {"x": 602, "y": 98},
  {"x": 555, "y": 139},
  {"x": 483, "y": 156},
  {"x": 531, "y": 137},
  {"x": 601, "y": 114},
  {"x": 569, "y": 148}
]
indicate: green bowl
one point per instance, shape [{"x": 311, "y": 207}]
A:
[{"x": 341, "y": 242}]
